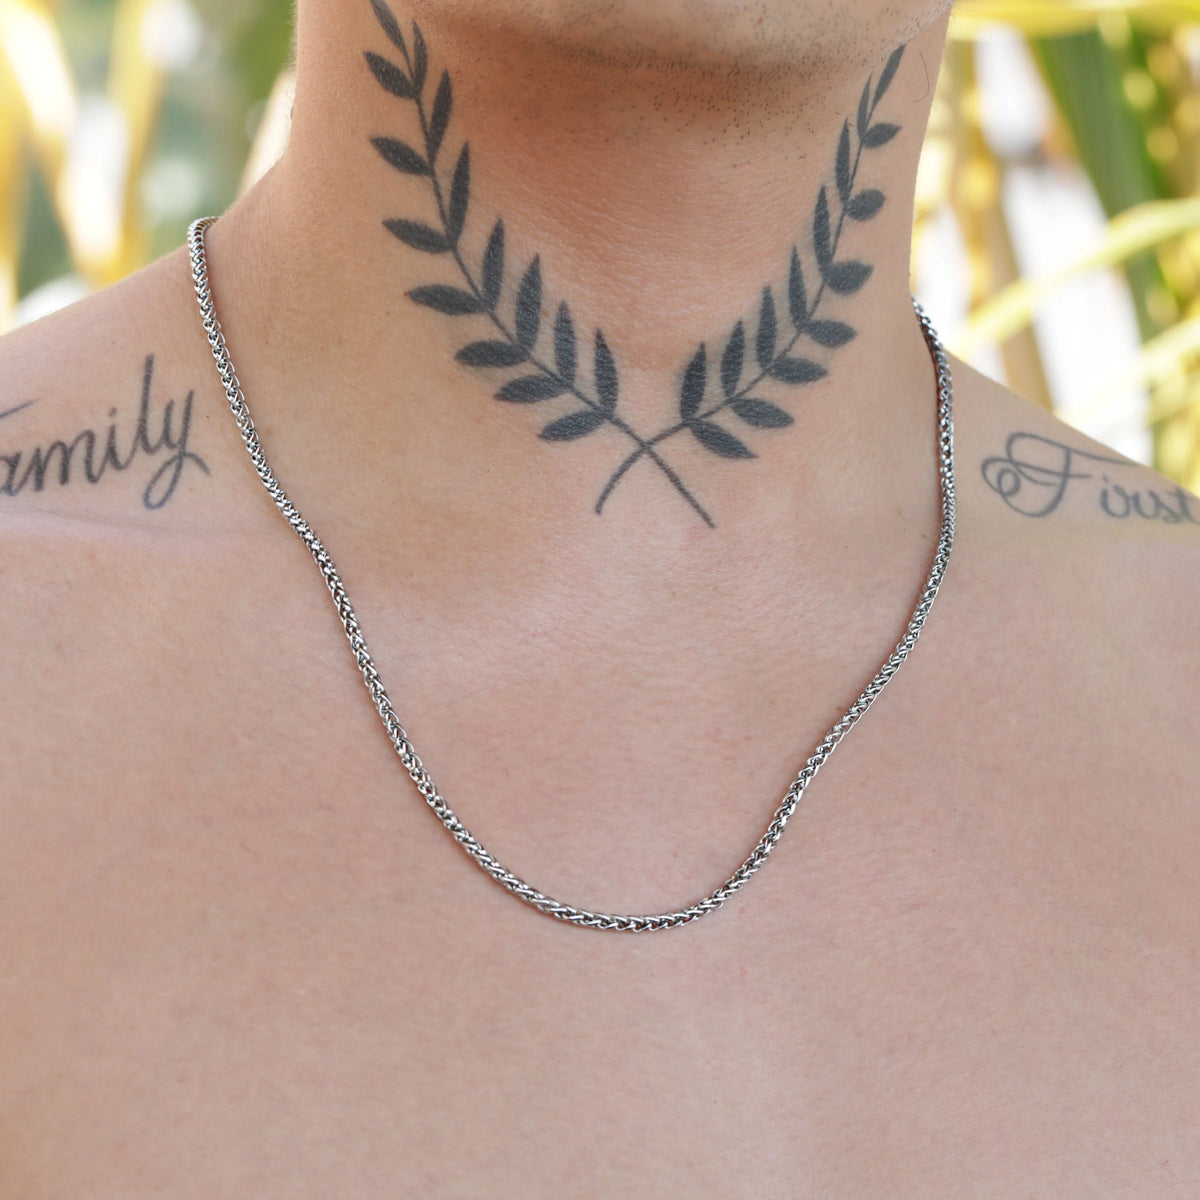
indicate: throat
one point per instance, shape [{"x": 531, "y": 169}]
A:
[{"x": 618, "y": 279}]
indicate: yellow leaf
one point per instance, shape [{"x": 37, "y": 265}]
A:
[
  {"x": 1040, "y": 19},
  {"x": 1131, "y": 233}
]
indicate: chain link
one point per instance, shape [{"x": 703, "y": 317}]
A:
[{"x": 399, "y": 739}]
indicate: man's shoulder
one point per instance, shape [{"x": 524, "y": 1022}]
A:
[
  {"x": 110, "y": 449},
  {"x": 72, "y": 353},
  {"x": 1063, "y": 534},
  {"x": 93, "y": 393},
  {"x": 103, "y": 411}
]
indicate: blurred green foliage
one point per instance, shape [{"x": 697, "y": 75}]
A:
[{"x": 206, "y": 118}]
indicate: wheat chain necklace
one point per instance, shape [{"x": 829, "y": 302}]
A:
[{"x": 408, "y": 756}]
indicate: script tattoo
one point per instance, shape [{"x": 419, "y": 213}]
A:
[
  {"x": 747, "y": 365},
  {"x": 90, "y": 455},
  {"x": 1034, "y": 474}
]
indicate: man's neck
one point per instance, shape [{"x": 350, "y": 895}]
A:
[{"x": 638, "y": 278}]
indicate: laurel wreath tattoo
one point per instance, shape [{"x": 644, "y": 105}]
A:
[{"x": 548, "y": 376}]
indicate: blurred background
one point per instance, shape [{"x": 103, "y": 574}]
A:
[{"x": 1057, "y": 239}]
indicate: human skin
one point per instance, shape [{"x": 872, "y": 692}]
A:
[{"x": 237, "y": 954}]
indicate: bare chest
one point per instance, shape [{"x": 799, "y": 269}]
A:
[
  {"x": 245, "y": 959},
  {"x": 240, "y": 957}
]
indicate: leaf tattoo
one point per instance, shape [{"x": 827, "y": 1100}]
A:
[
  {"x": 529, "y": 305},
  {"x": 731, "y": 360},
  {"x": 439, "y": 121},
  {"x": 515, "y": 341},
  {"x": 564, "y": 343},
  {"x": 605, "y": 373},
  {"x": 493, "y": 266},
  {"x": 842, "y": 277},
  {"x": 694, "y": 380}
]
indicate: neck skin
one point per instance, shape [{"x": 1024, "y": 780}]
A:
[{"x": 660, "y": 198}]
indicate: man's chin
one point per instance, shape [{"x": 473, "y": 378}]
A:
[{"x": 733, "y": 34}]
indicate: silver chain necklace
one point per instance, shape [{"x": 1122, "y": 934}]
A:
[{"x": 399, "y": 739}]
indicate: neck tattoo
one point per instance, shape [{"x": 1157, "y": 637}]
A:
[{"x": 548, "y": 360}]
